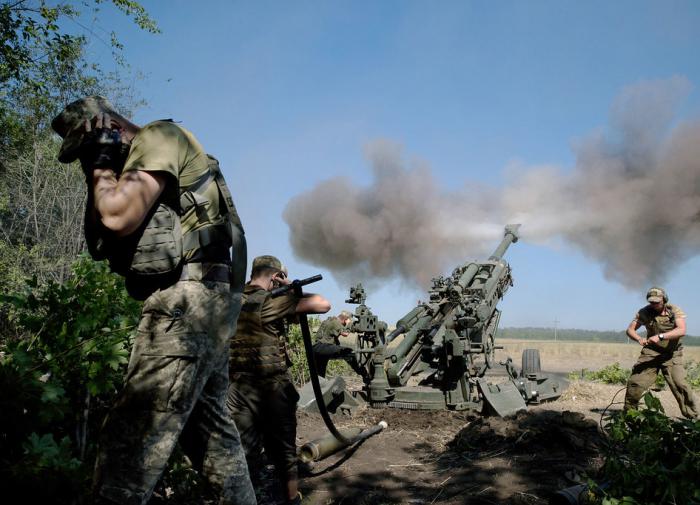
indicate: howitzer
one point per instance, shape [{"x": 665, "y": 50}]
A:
[{"x": 438, "y": 354}]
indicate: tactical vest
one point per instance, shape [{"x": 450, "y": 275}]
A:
[
  {"x": 657, "y": 323},
  {"x": 151, "y": 258},
  {"x": 255, "y": 351}
]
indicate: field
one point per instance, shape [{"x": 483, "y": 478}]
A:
[
  {"x": 441, "y": 457},
  {"x": 565, "y": 356}
]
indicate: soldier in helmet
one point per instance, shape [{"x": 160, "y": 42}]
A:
[
  {"x": 262, "y": 397},
  {"x": 327, "y": 345},
  {"x": 662, "y": 350},
  {"x": 159, "y": 211}
]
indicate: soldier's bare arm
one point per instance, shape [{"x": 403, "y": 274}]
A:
[
  {"x": 124, "y": 203},
  {"x": 310, "y": 304},
  {"x": 313, "y": 304},
  {"x": 632, "y": 332},
  {"x": 674, "y": 334}
]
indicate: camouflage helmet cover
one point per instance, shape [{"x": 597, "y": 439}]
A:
[
  {"x": 657, "y": 295},
  {"x": 69, "y": 123},
  {"x": 268, "y": 261}
]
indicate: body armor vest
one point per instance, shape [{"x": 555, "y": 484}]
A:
[
  {"x": 151, "y": 258},
  {"x": 255, "y": 350}
]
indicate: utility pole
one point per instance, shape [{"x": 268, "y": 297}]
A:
[{"x": 556, "y": 321}]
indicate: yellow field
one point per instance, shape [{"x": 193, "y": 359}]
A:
[{"x": 569, "y": 356}]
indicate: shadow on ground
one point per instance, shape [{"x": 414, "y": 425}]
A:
[{"x": 456, "y": 458}]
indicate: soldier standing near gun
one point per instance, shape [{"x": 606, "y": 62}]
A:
[
  {"x": 262, "y": 396},
  {"x": 159, "y": 211},
  {"x": 662, "y": 350}
]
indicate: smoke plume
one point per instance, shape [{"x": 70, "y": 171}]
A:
[{"x": 631, "y": 203}]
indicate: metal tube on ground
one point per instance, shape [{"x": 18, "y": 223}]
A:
[{"x": 323, "y": 447}]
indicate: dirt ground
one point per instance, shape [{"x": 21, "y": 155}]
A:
[{"x": 441, "y": 457}]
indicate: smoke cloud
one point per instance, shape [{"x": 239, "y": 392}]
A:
[{"x": 630, "y": 203}]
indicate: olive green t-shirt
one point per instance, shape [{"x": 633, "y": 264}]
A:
[
  {"x": 163, "y": 146},
  {"x": 656, "y": 323},
  {"x": 329, "y": 332}
]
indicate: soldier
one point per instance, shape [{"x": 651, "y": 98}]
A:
[
  {"x": 327, "y": 345},
  {"x": 661, "y": 350},
  {"x": 262, "y": 397},
  {"x": 159, "y": 211}
]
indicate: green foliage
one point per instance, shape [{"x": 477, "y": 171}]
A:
[
  {"x": 692, "y": 370},
  {"x": 181, "y": 484},
  {"x": 33, "y": 33},
  {"x": 295, "y": 348},
  {"x": 650, "y": 459},
  {"x": 611, "y": 374},
  {"x": 297, "y": 354},
  {"x": 58, "y": 374},
  {"x": 615, "y": 374}
]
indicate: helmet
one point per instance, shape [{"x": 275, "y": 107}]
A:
[
  {"x": 656, "y": 295},
  {"x": 268, "y": 261},
  {"x": 69, "y": 124}
]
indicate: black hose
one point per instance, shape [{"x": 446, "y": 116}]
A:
[
  {"x": 313, "y": 372},
  {"x": 297, "y": 285}
]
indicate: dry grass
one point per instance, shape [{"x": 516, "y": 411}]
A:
[{"x": 569, "y": 356}]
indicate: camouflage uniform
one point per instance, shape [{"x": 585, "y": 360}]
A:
[
  {"x": 262, "y": 397},
  {"x": 177, "y": 377},
  {"x": 329, "y": 332},
  {"x": 327, "y": 345},
  {"x": 666, "y": 356}
]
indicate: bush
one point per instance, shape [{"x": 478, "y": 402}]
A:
[
  {"x": 692, "y": 370},
  {"x": 611, "y": 374},
  {"x": 649, "y": 458},
  {"x": 59, "y": 371}
]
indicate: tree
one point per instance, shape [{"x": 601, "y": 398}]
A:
[
  {"x": 43, "y": 67},
  {"x": 64, "y": 335}
]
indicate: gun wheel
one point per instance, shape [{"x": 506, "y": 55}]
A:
[{"x": 531, "y": 362}]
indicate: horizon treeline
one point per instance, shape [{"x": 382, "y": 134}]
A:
[{"x": 575, "y": 335}]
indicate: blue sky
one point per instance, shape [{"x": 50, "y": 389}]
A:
[{"x": 289, "y": 94}]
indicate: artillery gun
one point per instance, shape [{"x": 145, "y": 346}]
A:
[{"x": 437, "y": 356}]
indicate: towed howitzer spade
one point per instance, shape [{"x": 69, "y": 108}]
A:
[
  {"x": 336, "y": 440},
  {"x": 442, "y": 348}
]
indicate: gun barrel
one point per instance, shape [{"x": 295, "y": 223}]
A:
[{"x": 510, "y": 236}]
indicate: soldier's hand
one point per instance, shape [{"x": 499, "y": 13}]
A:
[{"x": 643, "y": 342}]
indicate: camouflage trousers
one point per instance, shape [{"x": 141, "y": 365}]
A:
[
  {"x": 324, "y": 352},
  {"x": 176, "y": 387},
  {"x": 644, "y": 375}
]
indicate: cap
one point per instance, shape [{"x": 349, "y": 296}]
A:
[
  {"x": 268, "y": 261},
  {"x": 69, "y": 123},
  {"x": 655, "y": 295}
]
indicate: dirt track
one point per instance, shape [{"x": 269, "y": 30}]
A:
[{"x": 442, "y": 457}]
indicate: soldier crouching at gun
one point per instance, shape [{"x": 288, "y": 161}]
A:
[
  {"x": 327, "y": 345},
  {"x": 160, "y": 212}
]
